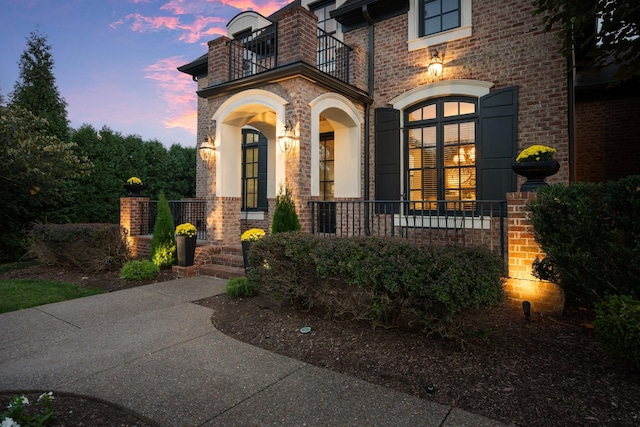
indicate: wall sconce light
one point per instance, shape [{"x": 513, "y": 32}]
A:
[
  {"x": 207, "y": 149},
  {"x": 435, "y": 65},
  {"x": 287, "y": 139}
]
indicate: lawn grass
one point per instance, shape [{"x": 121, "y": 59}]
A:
[{"x": 16, "y": 294}]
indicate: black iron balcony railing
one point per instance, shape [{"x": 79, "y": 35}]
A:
[
  {"x": 333, "y": 56},
  {"x": 480, "y": 223},
  {"x": 253, "y": 53},
  {"x": 192, "y": 211}
]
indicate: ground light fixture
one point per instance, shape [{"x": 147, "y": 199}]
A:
[{"x": 526, "y": 308}]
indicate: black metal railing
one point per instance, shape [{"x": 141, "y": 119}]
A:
[
  {"x": 193, "y": 211},
  {"x": 253, "y": 53},
  {"x": 480, "y": 223},
  {"x": 333, "y": 56}
]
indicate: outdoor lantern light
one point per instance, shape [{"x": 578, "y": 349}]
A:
[
  {"x": 435, "y": 65},
  {"x": 207, "y": 149},
  {"x": 287, "y": 139}
]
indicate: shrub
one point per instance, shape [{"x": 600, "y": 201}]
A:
[
  {"x": 591, "y": 235},
  {"x": 163, "y": 244},
  {"x": 239, "y": 287},
  {"x": 285, "y": 217},
  {"x": 618, "y": 327},
  {"x": 379, "y": 279},
  {"x": 139, "y": 270},
  {"x": 90, "y": 247}
]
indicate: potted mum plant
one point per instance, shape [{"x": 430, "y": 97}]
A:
[
  {"x": 247, "y": 238},
  {"x": 535, "y": 163},
  {"x": 134, "y": 185},
  {"x": 186, "y": 243}
]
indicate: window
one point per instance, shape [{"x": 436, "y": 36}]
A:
[
  {"x": 322, "y": 10},
  {"x": 327, "y": 161},
  {"x": 441, "y": 151},
  {"x": 439, "y": 15},
  {"x": 432, "y": 22},
  {"x": 254, "y": 163}
]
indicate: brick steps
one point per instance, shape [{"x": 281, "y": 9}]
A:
[
  {"x": 225, "y": 263},
  {"x": 220, "y": 271}
]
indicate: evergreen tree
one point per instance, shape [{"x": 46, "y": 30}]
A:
[
  {"x": 36, "y": 88},
  {"x": 163, "y": 244},
  {"x": 285, "y": 217}
]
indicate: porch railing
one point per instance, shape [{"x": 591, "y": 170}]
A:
[
  {"x": 333, "y": 56},
  {"x": 253, "y": 53},
  {"x": 193, "y": 211},
  {"x": 479, "y": 223}
]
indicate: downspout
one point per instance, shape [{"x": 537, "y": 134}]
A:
[
  {"x": 571, "y": 95},
  {"x": 367, "y": 107}
]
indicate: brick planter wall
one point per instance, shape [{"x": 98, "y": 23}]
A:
[{"x": 545, "y": 297}]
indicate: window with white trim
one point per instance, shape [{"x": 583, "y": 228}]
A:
[{"x": 432, "y": 22}]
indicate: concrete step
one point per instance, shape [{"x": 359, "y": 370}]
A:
[{"x": 220, "y": 271}]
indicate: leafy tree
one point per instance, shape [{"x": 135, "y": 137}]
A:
[
  {"x": 285, "y": 217},
  {"x": 163, "y": 244},
  {"x": 36, "y": 178},
  {"x": 602, "y": 32},
  {"x": 36, "y": 88}
]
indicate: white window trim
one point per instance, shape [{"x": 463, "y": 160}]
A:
[
  {"x": 416, "y": 42},
  {"x": 252, "y": 215}
]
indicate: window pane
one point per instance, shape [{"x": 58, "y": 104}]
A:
[
  {"x": 467, "y": 108},
  {"x": 432, "y": 25},
  {"x": 450, "y": 109},
  {"x": 451, "y": 134},
  {"x": 449, "y": 5},
  {"x": 429, "y": 136},
  {"x": 429, "y": 157},
  {"x": 429, "y": 112},
  {"x": 432, "y": 8},
  {"x": 467, "y": 132},
  {"x": 429, "y": 185},
  {"x": 450, "y": 20},
  {"x": 415, "y": 115}
]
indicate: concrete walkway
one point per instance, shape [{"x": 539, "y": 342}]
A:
[{"x": 150, "y": 350}]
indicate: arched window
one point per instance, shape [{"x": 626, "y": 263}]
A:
[{"x": 440, "y": 147}]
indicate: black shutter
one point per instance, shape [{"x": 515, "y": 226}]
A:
[
  {"x": 387, "y": 145},
  {"x": 263, "y": 204},
  {"x": 497, "y": 143}
]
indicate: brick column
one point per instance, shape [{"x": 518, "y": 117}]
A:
[
  {"x": 131, "y": 214},
  {"x": 297, "y": 36},
  {"x": 545, "y": 297}
]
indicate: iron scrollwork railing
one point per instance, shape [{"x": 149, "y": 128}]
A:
[
  {"x": 480, "y": 223},
  {"x": 193, "y": 211}
]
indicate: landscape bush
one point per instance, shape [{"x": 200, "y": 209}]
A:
[
  {"x": 139, "y": 270},
  {"x": 618, "y": 327},
  {"x": 164, "y": 250},
  {"x": 378, "y": 279},
  {"x": 241, "y": 287},
  {"x": 285, "y": 217},
  {"x": 90, "y": 247},
  {"x": 591, "y": 235}
]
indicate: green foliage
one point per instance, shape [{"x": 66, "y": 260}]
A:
[
  {"x": 591, "y": 235},
  {"x": 380, "y": 279},
  {"x": 139, "y": 270},
  {"x": 285, "y": 217},
  {"x": 21, "y": 414},
  {"x": 90, "y": 247},
  {"x": 36, "y": 179},
  {"x": 617, "y": 42},
  {"x": 36, "y": 90},
  {"x": 618, "y": 327},
  {"x": 163, "y": 245},
  {"x": 240, "y": 287},
  {"x": 16, "y": 294}
]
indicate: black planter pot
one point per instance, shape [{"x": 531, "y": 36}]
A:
[
  {"x": 535, "y": 172},
  {"x": 246, "y": 247},
  {"x": 134, "y": 189},
  {"x": 186, "y": 250}
]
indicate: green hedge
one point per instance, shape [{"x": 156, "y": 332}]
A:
[
  {"x": 379, "y": 279},
  {"x": 139, "y": 270},
  {"x": 591, "y": 235},
  {"x": 618, "y": 327}
]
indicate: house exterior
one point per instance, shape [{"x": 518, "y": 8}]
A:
[{"x": 342, "y": 102}]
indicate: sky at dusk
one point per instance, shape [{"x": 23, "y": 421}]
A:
[{"x": 115, "y": 60}]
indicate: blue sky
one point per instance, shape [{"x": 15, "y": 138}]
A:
[{"x": 116, "y": 60}]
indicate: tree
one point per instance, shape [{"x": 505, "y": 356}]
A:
[
  {"x": 36, "y": 178},
  {"x": 285, "y": 217},
  {"x": 36, "y": 88},
  {"x": 600, "y": 32},
  {"x": 163, "y": 244}
]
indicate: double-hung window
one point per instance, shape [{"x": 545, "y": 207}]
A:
[
  {"x": 438, "y": 16},
  {"x": 440, "y": 151}
]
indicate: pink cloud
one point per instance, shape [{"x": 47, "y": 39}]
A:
[
  {"x": 177, "y": 90},
  {"x": 265, "y": 8}
]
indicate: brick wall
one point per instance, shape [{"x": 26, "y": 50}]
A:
[
  {"x": 545, "y": 297},
  {"x": 607, "y": 146}
]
